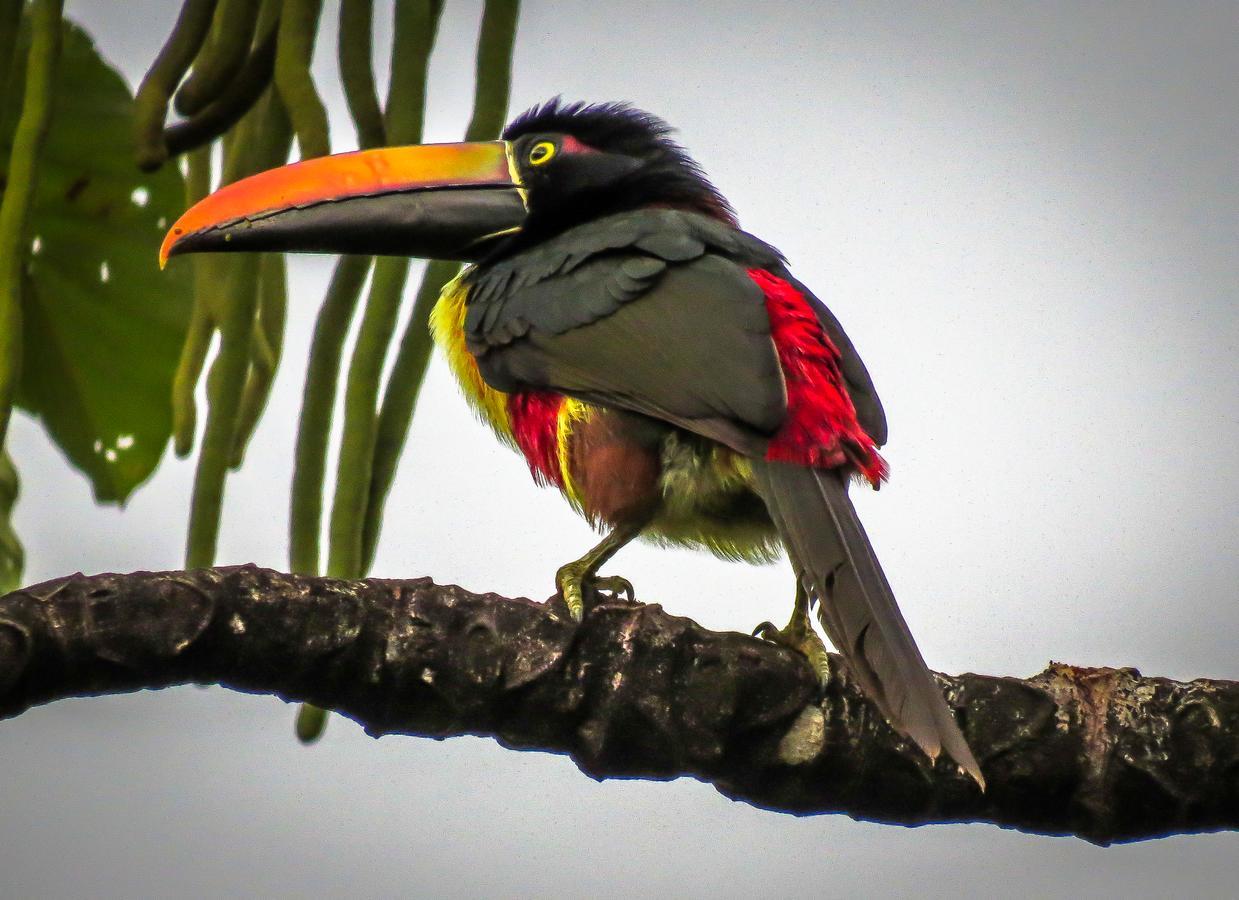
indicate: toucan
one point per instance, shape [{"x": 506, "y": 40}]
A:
[{"x": 658, "y": 365}]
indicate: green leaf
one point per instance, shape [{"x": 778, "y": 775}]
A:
[{"x": 103, "y": 326}]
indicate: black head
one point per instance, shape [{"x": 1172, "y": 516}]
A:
[{"x": 579, "y": 162}]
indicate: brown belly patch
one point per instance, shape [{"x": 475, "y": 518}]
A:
[{"x": 615, "y": 466}]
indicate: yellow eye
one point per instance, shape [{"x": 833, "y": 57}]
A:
[{"x": 541, "y": 153}]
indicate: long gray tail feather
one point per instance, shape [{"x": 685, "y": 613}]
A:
[{"x": 833, "y": 558}]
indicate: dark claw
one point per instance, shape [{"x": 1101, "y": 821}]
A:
[
  {"x": 765, "y": 630},
  {"x": 803, "y": 639},
  {"x": 620, "y": 589}
]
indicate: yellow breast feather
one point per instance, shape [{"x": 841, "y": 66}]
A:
[{"x": 447, "y": 326}]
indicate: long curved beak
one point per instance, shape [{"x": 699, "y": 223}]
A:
[{"x": 438, "y": 201}]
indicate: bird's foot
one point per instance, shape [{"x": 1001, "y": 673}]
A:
[
  {"x": 581, "y": 588},
  {"x": 799, "y": 636}
]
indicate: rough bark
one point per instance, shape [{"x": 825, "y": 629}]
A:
[{"x": 1103, "y": 754}]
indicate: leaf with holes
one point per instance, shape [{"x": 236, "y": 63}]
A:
[{"x": 102, "y": 325}]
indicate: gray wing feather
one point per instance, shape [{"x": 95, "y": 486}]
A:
[
  {"x": 695, "y": 349},
  {"x": 572, "y": 281},
  {"x": 650, "y": 311}
]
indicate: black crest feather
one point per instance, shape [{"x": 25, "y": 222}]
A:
[{"x": 619, "y": 127}]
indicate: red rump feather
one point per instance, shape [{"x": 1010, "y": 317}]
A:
[
  {"x": 821, "y": 428},
  {"x": 535, "y": 426}
]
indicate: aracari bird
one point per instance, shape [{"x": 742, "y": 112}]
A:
[{"x": 658, "y": 365}]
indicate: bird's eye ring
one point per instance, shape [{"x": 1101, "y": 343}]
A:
[{"x": 541, "y": 153}]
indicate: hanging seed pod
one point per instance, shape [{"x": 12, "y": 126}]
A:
[
  {"x": 151, "y": 103},
  {"x": 12, "y": 554},
  {"x": 236, "y": 100},
  {"x": 261, "y": 141},
  {"x": 10, "y": 25},
  {"x": 360, "y": 395},
  {"x": 359, "y": 500},
  {"x": 224, "y": 386},
  {"x": 201, "y": 318},
  {"x": 404, "y": 384},
  {"x": 317, "y": 404},
  {"x": 416, "y": 24},
  {"x": 268, "y": 346},
  {"x": 221, "y": 58},
  {"x": 355, "y": 51},
  {"x": 491, "y": 94},
  {"x": 493, "y": 84},
  {"x": 295, "y": 51}
]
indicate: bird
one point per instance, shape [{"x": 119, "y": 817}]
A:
[{"x": 657, "y": 364}]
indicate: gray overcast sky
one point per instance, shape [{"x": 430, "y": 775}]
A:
[{"x": 1027, "y": 217}]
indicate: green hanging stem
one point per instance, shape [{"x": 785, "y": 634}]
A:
[
  {"x": 261, "y": 142},
  {"x": 355, "y": 50},
  {"x": 224, "y": 386},
  {"x": 344, "y": 558},
  {"x": 293, "y": 55},
  {"x": 313, "y": 432},
  {"x": 491, "y": 94},
  {"x": 201, "y": 321},
  {"x": 493, "y": 82},
  {"x": 338, "y": 309},
  {"x": 399, "y": 399},
  {"x": 274, "y": 141},
  {"x": 12, "y": 555},
  {"x": 221, "y": 59},
  {"x": 415, "y": 25},
  {"x": 236, "y": 99},
  {"x": 150, "y": 107},
  {"x": 317, "y": 402},
  {"x": 268, "y": 346},
  {"x": 10, "y": 24},
  {"x": 343, "y": 294},
  {"x": 36, "y": 116}
]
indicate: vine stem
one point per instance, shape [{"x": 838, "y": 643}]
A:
[
  {"x": 237, "y": 98},
  {"x": 201, "y": 320},
  {"x": 355, "y": 50},
  {"x": 12, "y": 554},
  {"x": 318, "y": 399},
  {"x": 150, "y": 107},
  {"x": 224, "y": 386},
  {"x": 293, "y": 55},
  {"x": 262, "y": 142},
  {"x": 10, "y": 25},
  {"x": 36, "y": 118},
  {"x": 335, "y": 316},
  {"x": 492, "y": 90},
  {"x": 222, "y": 58},
  {"x": 415, "y": 27},
  {"x": 344, "y": 556}
]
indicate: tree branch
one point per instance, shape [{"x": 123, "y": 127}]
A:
[{"x": 1103, "y": 754}]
